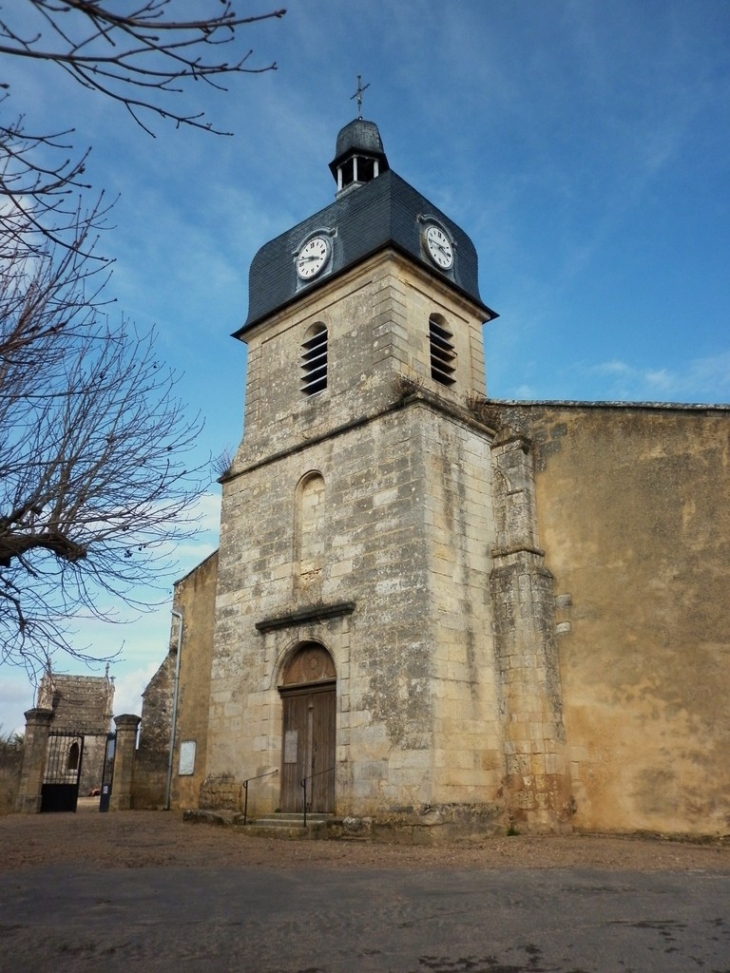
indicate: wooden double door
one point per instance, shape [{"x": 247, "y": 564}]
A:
[{"x": 308, "y": 748}]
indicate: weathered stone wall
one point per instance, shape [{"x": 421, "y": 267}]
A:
[
  {"x": 537, "y": 783},
  {"x": 406, "y": 535},
  {"x": 153, "y": 751},
  {"x": 194, "y": 599},
  {"x": 220, "y": 794},
  {"x": 467, "y": 762},
  {"x": 93, "y": 764},
  {"x": 633, "y": 515},
  {"x": 11, "y": 766}
]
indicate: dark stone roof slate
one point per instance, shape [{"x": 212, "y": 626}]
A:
[
  {"x": 359, "y": 134},
  {"x": 386, "y": 212},
  {"x": 361, "y": 137}
]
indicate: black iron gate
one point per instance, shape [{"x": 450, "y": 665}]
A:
[{"x": 64, "y": 759}]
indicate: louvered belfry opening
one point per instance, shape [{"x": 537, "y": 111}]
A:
[
  {"x": 314, "y": 360},
  {"x": 443, "y": 356}
]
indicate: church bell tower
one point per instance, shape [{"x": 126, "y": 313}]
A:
[{"x": 354, "y": 659}]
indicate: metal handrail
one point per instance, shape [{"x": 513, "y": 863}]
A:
[
  {"x": 245, "y": 790},
  {"x": 304, "y": 788}
]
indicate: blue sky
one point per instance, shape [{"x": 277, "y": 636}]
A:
[{"x": 582, "y": 145}]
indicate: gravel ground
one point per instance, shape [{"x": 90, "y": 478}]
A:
[{"x": 134, "y": 839}]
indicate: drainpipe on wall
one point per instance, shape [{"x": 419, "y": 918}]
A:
[{"x": 173, "y": 727}]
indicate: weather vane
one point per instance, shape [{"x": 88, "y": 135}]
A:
[{"x": 358, "y": 94}]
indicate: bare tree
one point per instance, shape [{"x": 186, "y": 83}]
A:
[
  {"x": 140, "y": 59},
  {"x": 94, "y": 480},
  {"x": 94, "y": 485}
]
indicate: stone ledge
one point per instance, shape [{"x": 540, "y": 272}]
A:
[
  {"x": 315, "y": 613},
  {"x": 221, "y": 818}
]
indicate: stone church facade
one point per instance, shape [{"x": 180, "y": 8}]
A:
[{"x": 432, "y": 611}]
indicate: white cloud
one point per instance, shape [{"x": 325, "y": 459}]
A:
[
  {"x": 129, "y": 686},
  {"x": 208, "y": 509},
  {"x": 701, "y": 380},
  {"x": 16, "y": 696}
]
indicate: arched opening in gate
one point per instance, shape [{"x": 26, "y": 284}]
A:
[
  {"x": 308, "y": 693},
  {"x": 74, "y": 751}
]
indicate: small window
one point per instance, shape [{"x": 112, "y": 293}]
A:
[
  {"x": 314, "y": 360},
  {"x": 443, "y": 356},
  {"x": 73, "y": 757}
]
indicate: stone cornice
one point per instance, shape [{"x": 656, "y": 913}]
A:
[
  {"x": 315, "y": 613},
  {"x": 418, "y": 396}
]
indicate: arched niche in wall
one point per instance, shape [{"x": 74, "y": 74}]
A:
[{"x": 310, "y": 530}]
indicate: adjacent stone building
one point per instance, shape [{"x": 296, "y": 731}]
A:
[
  {"x": 82, "y": 708},
  {"x": 431, "y": 612},
  {"x": 181, "y": 684}
]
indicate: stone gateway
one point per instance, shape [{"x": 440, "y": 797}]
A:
[{"x": 434, "y": 613}]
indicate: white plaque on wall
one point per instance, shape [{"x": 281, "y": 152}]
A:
[{"x": 187, "y": 758}]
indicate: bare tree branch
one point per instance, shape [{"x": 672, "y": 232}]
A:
[
  {"x": 113, "y": 53},
  {"x": 140, "y": 60},
  {"x": 95, "y": 485}
]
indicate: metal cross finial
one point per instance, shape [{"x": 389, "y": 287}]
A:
[{"x": 358, "y": 94}]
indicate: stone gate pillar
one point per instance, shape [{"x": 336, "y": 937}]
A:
[
  {"x": 121, "y": 796},
  {"x": 37, "y": 728}
]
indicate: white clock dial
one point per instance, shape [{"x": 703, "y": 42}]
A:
[
  {"x": 312, "y": 257},
  {"x": 440, "y": 249}
]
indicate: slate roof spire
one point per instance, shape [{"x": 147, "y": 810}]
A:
[
  {"x": 359, "y": 155},
  {"x": 374, "y": 210}
]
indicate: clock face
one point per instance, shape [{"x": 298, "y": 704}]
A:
[
  {"x": 312, "y": 257},
  {"x": 439, "y": 247}
]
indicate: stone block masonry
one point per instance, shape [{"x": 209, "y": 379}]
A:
[
  {"x": 362, "y": 497},
  {"x": 537, "y": 780}
]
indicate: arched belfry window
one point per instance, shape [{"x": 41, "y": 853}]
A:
[
  {"x": 314, "y": 360},
  {"x": 443, "y": 356}
]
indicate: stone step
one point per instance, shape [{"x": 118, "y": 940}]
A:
[
  {"x": 294, "y": 818},
  {"x": 284, "y": 825},
  {"x": 273, "y": 826}
]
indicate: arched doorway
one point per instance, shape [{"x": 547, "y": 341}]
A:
[{"x": 308, "y": 751}]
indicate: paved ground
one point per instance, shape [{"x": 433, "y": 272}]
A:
[{"x": 141, "y": 891}]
